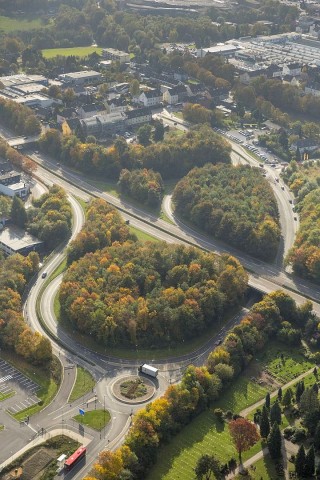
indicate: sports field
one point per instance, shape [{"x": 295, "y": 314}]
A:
[
  {"x": 8, "y": 24},
  {"x": 66, "y": 52}
]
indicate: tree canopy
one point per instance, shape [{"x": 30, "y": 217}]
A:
[
  {"x": 172, "y": 158},
  {"x": 149, "y": 294},
  {"x": 235, "y": 204}
]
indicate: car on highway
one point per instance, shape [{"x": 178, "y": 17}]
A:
[
  {"x": 295, "y": 219},
  {"x": 44, "y": 274}
]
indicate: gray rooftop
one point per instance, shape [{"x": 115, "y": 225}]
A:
[{"x": 16, "y": 238}]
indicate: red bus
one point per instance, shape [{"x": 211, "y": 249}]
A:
[{"x": 75, "y": 458}]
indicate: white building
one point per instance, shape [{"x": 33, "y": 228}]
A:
[
  {"x": 20, "y": 189},
  {"x": 150, "y": 98},
  {"x": 116, "y": 55},
  {"x": 86, "y": 77}
]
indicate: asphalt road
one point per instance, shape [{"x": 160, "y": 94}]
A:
[{"x": 105, "y": 368}]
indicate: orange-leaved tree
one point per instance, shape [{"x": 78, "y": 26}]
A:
[{"x": 244, "y": 435}]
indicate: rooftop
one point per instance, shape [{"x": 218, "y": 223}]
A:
[{"x": 16, "y": 238}]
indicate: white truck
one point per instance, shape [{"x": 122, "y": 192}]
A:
[{"x": 148, "y": 370}]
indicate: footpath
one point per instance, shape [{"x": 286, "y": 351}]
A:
[{"x": 288, "y": 448}]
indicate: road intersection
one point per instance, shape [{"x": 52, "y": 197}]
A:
[{"x": 105, "y": 368}]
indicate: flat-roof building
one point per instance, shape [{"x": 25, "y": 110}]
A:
[
  {"x": 85, "y": 77},
  {"x": 15, "y": 240},
  {"x": 117, "y": 55}
]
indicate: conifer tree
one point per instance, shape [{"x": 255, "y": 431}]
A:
[
  {"x": 274, "y": 441},
  {"x": 275, "y": 413},
  {"x": 310, "y": 463},
  {"x": 300, "y": 461},
  {"x": 264, "y": 423}
]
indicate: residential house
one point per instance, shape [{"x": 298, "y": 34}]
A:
[
  {"x": 247, "y": 77},
  {"x": 138, "y": 116},
  {"x": 293, "y": 69},
  {"x": 116, "y": 105},
  {"x": 150, "y": 98},
  {"x": 87, "y": 111},
  {"x": 175, "y": 95}
]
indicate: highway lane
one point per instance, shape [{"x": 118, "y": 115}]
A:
[{"x": 181, "y": 233}]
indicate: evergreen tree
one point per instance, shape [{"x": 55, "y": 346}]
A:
[
  {"x": 300, "y": 462},
  {"x": 18, "y": 212},
  {"x": 309, "y": 463},
  {"x": 275, "y": 413},
  {"x": 287, "y": 398},
  {"x": 264, "y": 423},
  {"x": 280, "y": 394},
  {"x": 316, "y": 438},
  {"x": 268, "y": 401},
  {"x": 299, "y": 390},
  {"x": 315, "y": 388},
  {"x": 315, "y": 371},
  {"x": 274, "y": 441}
]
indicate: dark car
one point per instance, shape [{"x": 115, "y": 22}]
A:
[{"x": 44, "y": 275}]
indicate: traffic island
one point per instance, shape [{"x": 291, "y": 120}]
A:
[{"x": 133, "y": 389}]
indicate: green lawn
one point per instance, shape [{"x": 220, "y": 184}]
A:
[
  {"x": 76, "y": 51},
  {"x": 293, "y": 365},
  {"x": 206, "y": 435},
  {"x": 108, "y": 187},
  {"x": 84, "y": 384},
  {"x": 96, "y": 419},
  {"x": 143, "y": 236},
  {"x": 9, "y": 25},
  {"x": 263, "y": 468}
]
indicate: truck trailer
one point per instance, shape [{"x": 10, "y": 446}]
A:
[{"x": 148, "y": 370}]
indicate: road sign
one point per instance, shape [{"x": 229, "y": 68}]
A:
[{"x": 81, "y": 411}]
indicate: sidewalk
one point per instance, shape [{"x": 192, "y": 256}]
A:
[
  {"x": 43, "y": 438},
  {"x": 287, "y": 447}
]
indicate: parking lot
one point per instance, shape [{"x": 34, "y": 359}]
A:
[{"x": 11, "y": 380}]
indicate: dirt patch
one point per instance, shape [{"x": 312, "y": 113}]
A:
[
  {"x": 33, "y": 465},
  {"x": 261, "y": 377},
  {"x": 132, "y": 382}
]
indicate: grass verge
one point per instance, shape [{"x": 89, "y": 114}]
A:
[
  {"x": 84, "y": 384},
  {"x": 66, "y": 52},
  {"x": 96, "y": 419},
  {"x": 4, "y": 396},
  {"x": 143, "y": 236}
]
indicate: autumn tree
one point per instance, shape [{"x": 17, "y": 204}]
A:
[{"x": 244, "y": 435}]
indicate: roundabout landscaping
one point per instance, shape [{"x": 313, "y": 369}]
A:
[{"x": 133, "y": 389}]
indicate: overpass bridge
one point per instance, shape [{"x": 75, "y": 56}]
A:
[{"x": 23, "y": 142}]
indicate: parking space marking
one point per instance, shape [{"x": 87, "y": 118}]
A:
[{"x": 5, "y": 379}]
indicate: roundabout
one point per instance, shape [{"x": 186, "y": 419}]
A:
[{"x": 133, "y": 389}]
